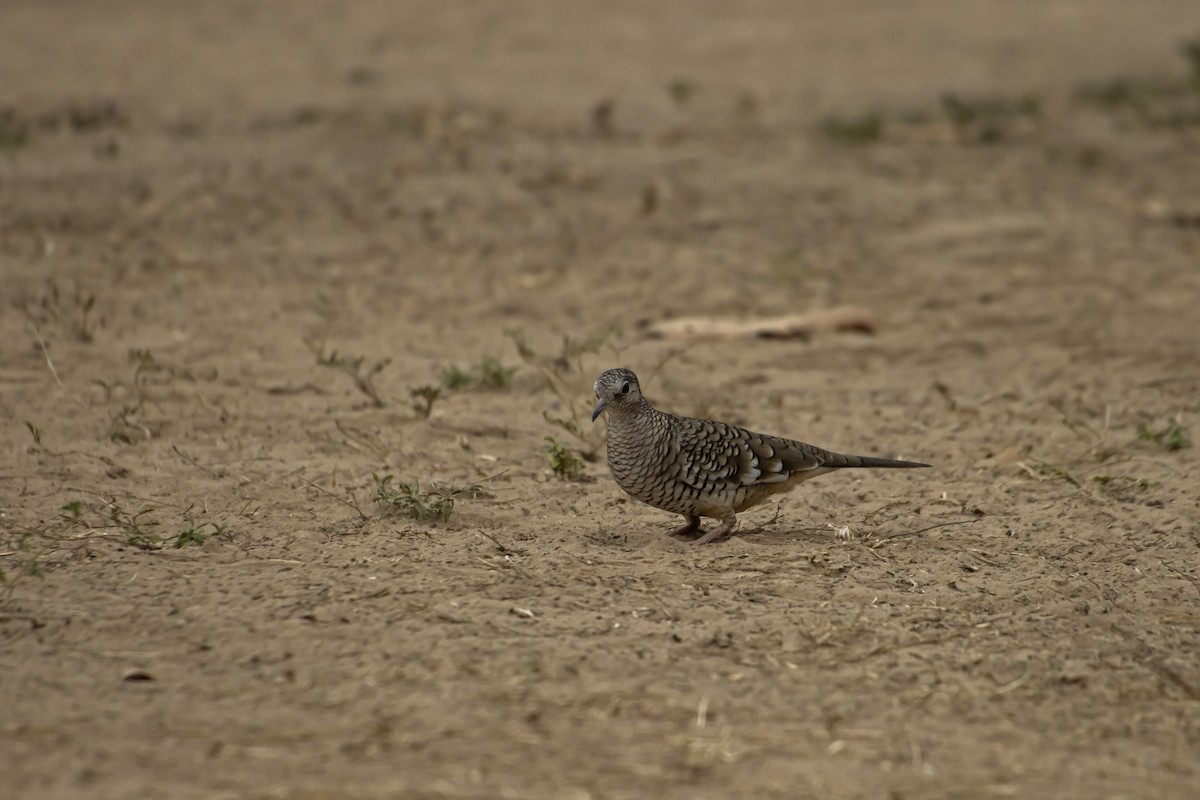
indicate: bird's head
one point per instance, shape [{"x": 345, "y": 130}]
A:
[{"x": 617, "y": 390}]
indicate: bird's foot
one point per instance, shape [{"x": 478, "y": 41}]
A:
[
  {"x": 715, "y": 533},
  {"x": 687, "y": 527}
]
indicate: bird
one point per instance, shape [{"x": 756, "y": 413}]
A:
[{"x": 701, "y": 467}]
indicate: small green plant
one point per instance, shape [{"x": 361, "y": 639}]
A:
[
  {"x": 81, "y": 325},
  {"x": 489, "y": 373},
  {"x": 127, "y": 424},
  {"x": 22, "y": 555},
  {"x": 1053, "y": 469},
  {"x": 566, "y": 379},
  {"x": 14, "y": 130},
  {"x": 746, "y": 105},
  {"x": 1113, "y": 480},
  {"x": 72, "y": 512},
  {"x": 1120, "y": 92},
  {"x": 149, "y": 369},
  {"x": 1172, "y": 436},
  {"x": 138, "y": 528},
  {"x": 408, "y": 499},
  {"x": 199, "y": 533},
  {"x": 30, "y": 568},
  {"x": 124, "y": 426},
  {"x": 423, "y": 398},
  {"x": 35, "y": 432},
  {"x": 361, "y": 439},
  {"x": 33, "y": 569},
  {"x": 1191, "y": 53},
  {"x": 860, "y": 129},
  {"x": 493, "y": 374},
  {"x": 453, "y": 377},
  {"x": 988, "y": 120},
  {"x": 361, "y": 76},
  {"x": 357, "y": 368},
  {"x": 1153, "y": 101},
  {"x": 145, "y": 366},
  {"x": 563, "y": 462},
  {"x": 681, "y": 91},
  {"x": 25, "y": 563},
  {"x": 71, "y": 312}
]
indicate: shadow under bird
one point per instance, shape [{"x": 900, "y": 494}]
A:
[{"x": 700, "y": 467}]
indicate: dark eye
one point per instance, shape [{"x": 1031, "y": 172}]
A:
[{"x": 624, "y": 388}]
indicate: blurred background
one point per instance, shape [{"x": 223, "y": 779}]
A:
[{"x": 302, "y": 304}]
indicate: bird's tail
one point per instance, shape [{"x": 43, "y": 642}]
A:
[{"x": 841, "y": 461}]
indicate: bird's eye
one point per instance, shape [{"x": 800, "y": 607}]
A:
[{"x": 624, "y": 388}]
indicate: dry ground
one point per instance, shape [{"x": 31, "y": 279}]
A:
[{"x": 196, "y": 197}]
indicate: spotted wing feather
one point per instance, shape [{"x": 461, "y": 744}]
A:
[{"x": 718, "y": 455}]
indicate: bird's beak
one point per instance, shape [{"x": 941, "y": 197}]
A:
[{"x": 599, "y": 407}]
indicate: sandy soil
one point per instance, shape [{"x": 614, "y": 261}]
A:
[{"x": 199, "y": 200}]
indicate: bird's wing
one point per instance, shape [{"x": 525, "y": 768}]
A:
[{"x": 714, "y": 454}]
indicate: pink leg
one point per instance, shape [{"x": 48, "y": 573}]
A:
[{"x": 727, "y": 525}]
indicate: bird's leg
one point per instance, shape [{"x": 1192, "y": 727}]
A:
[
  {"x": 727, "y": 525},
  {"x": 689, "y": 526}
]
